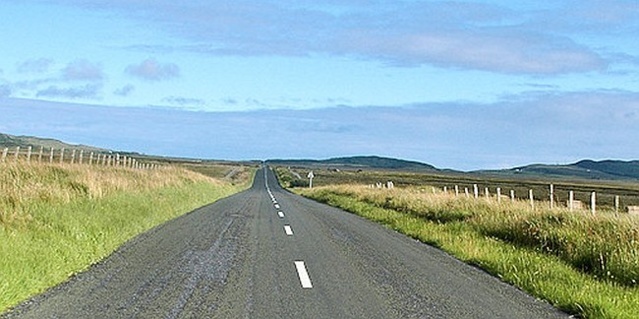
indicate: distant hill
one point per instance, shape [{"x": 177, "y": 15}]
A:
[
  {"x": 12, "y": 141},
  {"x": 607, "y": 169},
  {"x": 373, "y": 162}
]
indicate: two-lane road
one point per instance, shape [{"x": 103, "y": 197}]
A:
[{"x": 266, "y": 253}]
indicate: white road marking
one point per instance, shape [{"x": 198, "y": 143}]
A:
[
  {"x": 281, "y": 214},
  {"x": 288, "y": 230},
  {"x": 305, "y": 280},
  {"x": 277, "y": 206}
]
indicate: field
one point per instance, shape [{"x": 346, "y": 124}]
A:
[
  {"x": 582, "y": 263},
  {"x": 57, "y": 220}
]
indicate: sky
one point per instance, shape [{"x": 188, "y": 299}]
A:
[{"x": 474, "y": 84}]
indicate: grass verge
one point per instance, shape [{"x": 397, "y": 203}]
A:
[
  {"x": 58, "y": 220},
  {"x": 542, "y": 274}
]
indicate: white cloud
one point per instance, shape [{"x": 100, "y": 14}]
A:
[
  {"x": 455, "y": 34},
  {"x": 125, "y": 90},
  {"x": 41, "y": 65},
  {"x": 536, "y": 127},
  {"x": 151, "y": 69},
  {"x": 184, "y": 101},
  {"x": 90, "y": 91},
  {"x": 82, "y": 70}
]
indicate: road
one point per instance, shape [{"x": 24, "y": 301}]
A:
[{"x": 267, "y": 253}]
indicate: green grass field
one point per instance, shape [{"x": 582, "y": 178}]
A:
[
  {"x": 57, "y": 220},
  {"x": 584, "y": 264}
]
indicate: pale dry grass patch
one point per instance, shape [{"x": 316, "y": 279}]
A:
[
  {"x": 22, "y": 184},
  {"x": 583, "y": 264}
]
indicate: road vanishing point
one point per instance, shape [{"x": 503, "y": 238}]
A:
[{"x": 267, "y": 253}]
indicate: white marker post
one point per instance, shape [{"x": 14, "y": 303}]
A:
[{"x": 310, "y": 179}]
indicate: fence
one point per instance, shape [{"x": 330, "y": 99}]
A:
[
  {"x": 566, "y": 200},
  {"x": 72, "y": 156}
]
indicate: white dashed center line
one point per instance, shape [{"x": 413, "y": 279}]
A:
[
  {"x": 280, "y": 214},
  {"x": 305, "y": 280},
  {"x": 288, "y": 230},
  {"x": 277, "y": 206}
]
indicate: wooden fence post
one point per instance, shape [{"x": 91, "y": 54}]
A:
[
  {"x": 552, "y": 196},
  {"x": 466, "y": 192},
  {"x": 486, "y": 193},
  {"x": 456, "y": 190},
  {"x": 91, "y": 158},
  {"x": 62, "y": 155},
  {"x": 4, "y": 154},
  {"x": 532, "y": 199},
  {"x": 51, "y": 156},
  {"x": 476, "y": 190},
  {"x": 616, "y": 203},
  {"x": 81, "y": 155},
  {"x": 73, "y": 156},
  {"x": 29, "y": 154},
  {"x": 40, "y": 154},
  {"x": 17, "y": 153},
  {"x": 498, "y": 194},
  {"x": 593, "y": 202},
  {"x": 512, "y": 195},
  {"x": 571, "y": 200}
]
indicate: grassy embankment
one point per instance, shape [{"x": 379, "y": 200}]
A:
[
  {"x": 583, "y": 264},
  {"x": 57, "y": 220}
]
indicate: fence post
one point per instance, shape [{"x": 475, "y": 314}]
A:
[
  {"x": 571, "y": 199},
  {"x": 81, "y": 155},
  {"x": 29, "y": 154},
  {"x": 552, "y": 196},
  {"x": 17, "y": 153},
  {"x": 487, "y": 193},
  {"x": 91, "y": 158},
  {"x": 466, "y": 192},
  {"x": 73, "y": 157},
  {"x": 532, "y": 199},
  {"x": 4, "y": 154},
  {"x": 62, "y": 155},
  {"x": 456, "y": 190},
  {"x": 498, "y": 194},
  {"x": 476, "y": 190},
  {"x": 616, "y": 203},
  {"x": 40, "y": 154},
  {"x": 593, "y": 202},
  {"x": 512, "y": 195},
  {"x": 51, "y": 156}
]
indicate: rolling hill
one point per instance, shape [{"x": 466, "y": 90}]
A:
[
  {"x": 588, "y": 169},
  {"x": 358, "y": 162},
  {"x": 12, "y": 141}
]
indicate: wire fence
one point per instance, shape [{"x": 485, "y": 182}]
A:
[{"x": 72, "y": 156}]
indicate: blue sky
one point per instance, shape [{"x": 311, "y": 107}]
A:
[{"x": 458, "y": 84}]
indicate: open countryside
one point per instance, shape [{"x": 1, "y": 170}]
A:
[{"x": 319, "y": 159}]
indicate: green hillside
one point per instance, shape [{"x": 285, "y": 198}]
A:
[
  {"x": 12, "y": 141},
  {"x": 358, "y": 162}
]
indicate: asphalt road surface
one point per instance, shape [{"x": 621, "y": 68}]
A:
[{"x": 266, "y": 253}]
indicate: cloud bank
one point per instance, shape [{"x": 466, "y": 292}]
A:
[
  {"x": 537, "y": 127},
  {"x": 544, "y": 40}
]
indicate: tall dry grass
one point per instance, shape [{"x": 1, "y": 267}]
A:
[
  {"x": 56, "y": 220},
  {"x": 513, "y": 241},
  {"x": 23, "y": 184},
  {"x": 605, "y": 245}
]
